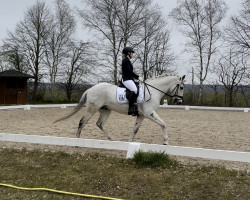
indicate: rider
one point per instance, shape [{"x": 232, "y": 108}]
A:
[{"x": 128, "y": 77}]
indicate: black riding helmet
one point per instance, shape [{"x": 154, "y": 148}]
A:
[{"x": 127, "y": 49}]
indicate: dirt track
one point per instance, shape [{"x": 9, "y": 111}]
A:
[{"x": 206, "y": 129}]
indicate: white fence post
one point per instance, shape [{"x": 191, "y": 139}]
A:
[
  {"x": 63, "y": 106},
  {"x": 187, "y": 108},
  {"x": 132, "y": 149},
  {"x": 27, "y": 107}
]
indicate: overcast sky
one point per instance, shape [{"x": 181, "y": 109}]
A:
[{"x": 12, "y": 11}]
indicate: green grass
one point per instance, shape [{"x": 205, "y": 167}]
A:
[
  {"x": 103, "y": 175},
  {"x": 153, "y": 160},
  {"x": 59, "y": 97}
]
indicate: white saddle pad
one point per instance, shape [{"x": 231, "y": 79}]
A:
[{"x": 121, "y": 95}]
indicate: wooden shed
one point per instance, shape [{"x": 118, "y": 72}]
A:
[{"x": 13, "y": 87}]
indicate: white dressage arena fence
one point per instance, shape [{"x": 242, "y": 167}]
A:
[
  {"x": 28, "y": 107},
  {"x": 184, "y": 107},
  {"x": 131, "y": 148}
]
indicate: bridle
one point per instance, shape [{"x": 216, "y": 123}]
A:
[{"x": 175, "y": 91}]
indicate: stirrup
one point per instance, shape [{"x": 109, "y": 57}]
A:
[{"x": 135, "y": 113}]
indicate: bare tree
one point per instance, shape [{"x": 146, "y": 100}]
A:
[
  {"x": 12, "y": 59},
  {"x": 238, "y": 31},
  {"x": 79, "y": 60},
  {"x": 156, "y": 55},
  {"x": 131, "y": 16},
  {"x": 2, "y": 58},
  {"x": 28, "y": 38},
  {"x": 231, "y": 70},
  {"x": 154, "y": 52},
  {"x": 100, "y": 16},
  {"x": 238, "y": 36},
  {"x": 57, "y": 42},
  {"x": 200, "y": 20},
  {"x": 117, "y": 24}
]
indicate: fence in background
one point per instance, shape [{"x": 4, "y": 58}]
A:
[
  {"x": 28, "y": 107},
  {"x": 184, "y": 107}
]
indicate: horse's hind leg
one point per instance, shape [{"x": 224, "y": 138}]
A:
[
  {"x": 138, "y": 122},
  {"x": 104, "y": 114},
  {"x": 84, "y": 120}
]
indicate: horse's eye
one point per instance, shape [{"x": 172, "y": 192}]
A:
[{"x": 181, "y": 88}]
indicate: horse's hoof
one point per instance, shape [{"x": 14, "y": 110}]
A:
[{"x": 165, "y": 143}]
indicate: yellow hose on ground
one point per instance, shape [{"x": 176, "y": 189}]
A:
[{"x": 58, "y": 191}]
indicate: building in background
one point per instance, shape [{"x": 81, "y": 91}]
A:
[{"x": 13, "y": 87}]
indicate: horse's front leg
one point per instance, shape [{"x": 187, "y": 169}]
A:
[
  {"x": 138, "y": 122},
  {"x": 155, "y": 118}
]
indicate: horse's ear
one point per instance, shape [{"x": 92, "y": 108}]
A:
[{"x": 183, "y": 77}]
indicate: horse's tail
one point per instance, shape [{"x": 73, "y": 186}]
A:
[{"x": 76, "y": 109}]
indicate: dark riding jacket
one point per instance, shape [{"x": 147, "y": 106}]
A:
[{"x": 127, "y": 70}]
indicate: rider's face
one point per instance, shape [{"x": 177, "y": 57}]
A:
[{"x": 130, "y": 54}]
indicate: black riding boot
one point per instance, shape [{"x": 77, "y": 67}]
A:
[{"x": 133, "y": 108}]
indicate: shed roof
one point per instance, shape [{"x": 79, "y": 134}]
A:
[{"x": 14, "y": 74}]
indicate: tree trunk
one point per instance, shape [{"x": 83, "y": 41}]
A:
[
  {"x": 200, "y": 97},
  {"x": 230, "y": 98},
  {"x": 115, "y": 71},
  {"x": 193, "y": 91},
  {"x": 69, "y": 89},
  {"x": 35, "y": 88}
]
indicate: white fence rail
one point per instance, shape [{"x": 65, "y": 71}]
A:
[
  {"x": 184, "y": 107},
  {"x": 28, "y": 107},
  {"x": 131, "y": 148}
]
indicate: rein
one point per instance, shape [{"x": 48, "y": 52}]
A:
[{"x": 169, "y": 95}]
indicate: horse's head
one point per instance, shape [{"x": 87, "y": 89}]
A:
[{"x": 178, "y": 90}]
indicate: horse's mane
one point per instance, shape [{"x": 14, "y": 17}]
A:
[{"x": 160, "y": 76}]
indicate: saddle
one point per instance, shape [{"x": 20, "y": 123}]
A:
[
  {"x": 122, "y": 94},
  {"x": 120, "y": 84}
]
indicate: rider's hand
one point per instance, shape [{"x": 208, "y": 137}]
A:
[{"x": 140, "y": 79}]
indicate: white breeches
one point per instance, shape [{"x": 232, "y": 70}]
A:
[{"x": 130, "y": 85}]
